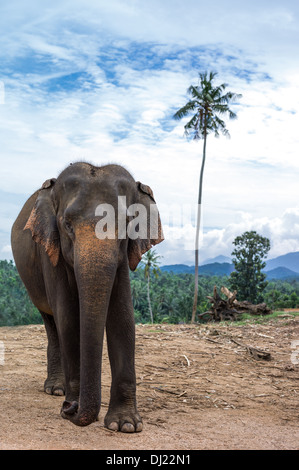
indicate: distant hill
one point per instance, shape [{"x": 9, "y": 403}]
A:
[
  {"x": 282, "y": 267},
  {"x": 218, "y": 259},
  {"x": 281, "y": 273},
  {"x": 177, "y": 268},
  {"x": 213, "y": 269},
  {"x": 290, "y": 261}
]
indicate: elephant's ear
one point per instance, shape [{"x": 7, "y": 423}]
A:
[
  {"x": 42, "y": 222},
  {"x": 153, "y": 233}
]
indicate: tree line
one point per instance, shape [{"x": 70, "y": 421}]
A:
[
  {"x": 16, "y": 307},
  {"x": 171, "y": 296}
]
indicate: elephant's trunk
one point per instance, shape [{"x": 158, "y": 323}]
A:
[{"x": 95, "y": 267}]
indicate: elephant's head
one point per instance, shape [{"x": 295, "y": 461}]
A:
[
  {"x": 69, "y": 220},
  {"x": 69, "y": 206}
]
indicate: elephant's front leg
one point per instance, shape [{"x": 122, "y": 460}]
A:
[
  {"x": 68, "y": 327},
  {"x": 120, "y": 327}
]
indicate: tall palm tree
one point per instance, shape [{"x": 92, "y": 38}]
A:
[
  {"x": 208, "y": 103},
  {"x": 151, "y": 265}
]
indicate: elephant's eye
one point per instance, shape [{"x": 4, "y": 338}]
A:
[{"x": 68, "y": 227}]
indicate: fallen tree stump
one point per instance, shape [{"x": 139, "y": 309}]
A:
[{"x": 229, "y": 309}]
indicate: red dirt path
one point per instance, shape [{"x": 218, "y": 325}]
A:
[{"x": 198, "y": 388}]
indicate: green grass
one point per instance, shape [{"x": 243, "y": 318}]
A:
[{"x": 262, "y": 319}]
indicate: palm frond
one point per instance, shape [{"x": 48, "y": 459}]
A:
[
  {"x": 195, "y": 92},
  {"x": 185, "y": 110},
  {"x": 194, "y": 127},
  {"x": 232, "y": 115},
  {"x": 208, "y": 104}
]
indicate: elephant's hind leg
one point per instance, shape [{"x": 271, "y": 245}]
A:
[{"x": 55, "y": 383}]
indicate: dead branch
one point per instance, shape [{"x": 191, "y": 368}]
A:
[
  {"x": 230, "y": 308},
  {"x": 257, "y": 354}
]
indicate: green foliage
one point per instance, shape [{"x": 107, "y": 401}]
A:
[
  {"x": 150, "y": 263},
  {"x": 248, "y": 278},
  {"x": 15, "y": 306},
  {"x": 282, "y": 294},
  {"x": 246, "y": 318},
  {"x": 171, "y": 296}
]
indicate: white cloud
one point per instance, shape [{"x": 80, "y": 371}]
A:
[
  {"x": 282, "y": 231},
  {"x": 6, "y": 249},
  {"x": 132, "y": 63}
]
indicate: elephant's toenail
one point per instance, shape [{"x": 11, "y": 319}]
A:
[
  {"x": 127, "y": 427},
  {"x": 139, "y": 427},
  {"x": 113, "y": 426}
]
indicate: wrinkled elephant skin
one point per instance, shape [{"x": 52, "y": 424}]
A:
[{"x": 79, "y": 281}]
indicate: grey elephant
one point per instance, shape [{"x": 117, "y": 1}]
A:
[{"x": 78, "y": 278}]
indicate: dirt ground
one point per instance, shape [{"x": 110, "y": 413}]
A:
[{"x": 199, "y": 387}]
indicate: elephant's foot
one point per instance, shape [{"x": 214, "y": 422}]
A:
[
  {"x": 124, "y": 420},
  {"x": 54, "y": 387}
]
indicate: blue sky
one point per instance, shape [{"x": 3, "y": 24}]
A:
[{"x": 100, "y": 81}]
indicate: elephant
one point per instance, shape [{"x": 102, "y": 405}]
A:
[{"x": 78, "y": 278}]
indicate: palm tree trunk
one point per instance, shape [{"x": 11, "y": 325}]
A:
[
  {"x": 149, "y": 299},
  {"x": 198, "y": 228}
]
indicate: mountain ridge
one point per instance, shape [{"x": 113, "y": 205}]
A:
[{"x": 281, "y": 267}]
